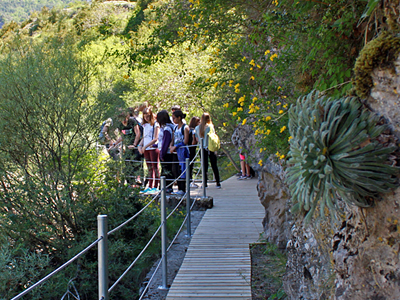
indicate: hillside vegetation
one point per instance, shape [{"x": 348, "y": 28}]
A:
[
  {"x": 62, "y": 72},
  {"x": 19, "y": 11}
]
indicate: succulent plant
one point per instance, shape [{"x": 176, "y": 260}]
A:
[{"x": 337, "y": 152}]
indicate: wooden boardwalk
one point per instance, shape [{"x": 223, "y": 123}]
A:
[{"x": 217, "y": 262}]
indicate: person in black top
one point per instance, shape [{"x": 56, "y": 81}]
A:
[{"x": 130, "y": 137}]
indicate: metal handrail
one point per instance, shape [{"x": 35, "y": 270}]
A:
[
  {"x": 136, "y": 259},
  {"x": 103, "y": 235},
  {"x": 58, "y": 269}
]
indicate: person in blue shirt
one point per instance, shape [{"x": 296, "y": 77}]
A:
[{"x": 180, "y": 141}]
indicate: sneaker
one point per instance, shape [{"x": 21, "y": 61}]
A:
[
  {"x": 178, "y": 193},
  {"x": 249, "y": 177},
  {"x": 242, "y": 177},
  {"x": 218, "y": 186},
  {"x": 145, "y": 191},
  {"x": 193, "y": 186},
  {"x": 152, "y": 191},
  {"x": 239, "y": 174}
]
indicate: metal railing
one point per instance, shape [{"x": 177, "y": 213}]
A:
[{"x": 103, "y": 233}]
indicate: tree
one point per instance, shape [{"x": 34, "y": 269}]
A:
[{"x": 48, "y": 124}]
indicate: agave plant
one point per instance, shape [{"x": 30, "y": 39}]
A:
[{"x": 336, "y": 152}]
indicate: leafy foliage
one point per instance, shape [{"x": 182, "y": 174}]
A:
[
  {"x": 338, "y": 148},
  {"x": 18, "y": 11}
]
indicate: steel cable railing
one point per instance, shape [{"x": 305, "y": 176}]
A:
[
  {"x": 58, "y": 269},
  {"x": 103, "y": 234}
]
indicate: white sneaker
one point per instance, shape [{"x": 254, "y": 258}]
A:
[{"x": 193, "y": 186}]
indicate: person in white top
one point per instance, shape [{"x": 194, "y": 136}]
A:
[{"x": 148, "y": 147}]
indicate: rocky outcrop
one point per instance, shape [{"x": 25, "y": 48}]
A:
[
  {"x": 356, "y": 257},
  {"x": 366, "y": 247}
]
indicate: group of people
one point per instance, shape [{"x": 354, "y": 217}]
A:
[{"x": 162, "y": 140}]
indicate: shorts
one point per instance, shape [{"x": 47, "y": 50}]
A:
[{"x": 242, "y": 156}]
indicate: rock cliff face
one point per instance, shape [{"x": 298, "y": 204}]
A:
[
  {"x": 366, "y": 247},
  {"x": 355, "y": 258}
]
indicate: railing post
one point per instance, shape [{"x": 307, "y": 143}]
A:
[
  {"x": 102, "y": 231},
  {"x": 203, "y": 173},
  {"x": 163, "y": 234},
  {"x": 189, "y": 229}
]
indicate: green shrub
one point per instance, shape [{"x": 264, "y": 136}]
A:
[{"x": 337, "y": 150}]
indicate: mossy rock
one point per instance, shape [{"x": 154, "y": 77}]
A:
[{"x": 380, "y": 52}]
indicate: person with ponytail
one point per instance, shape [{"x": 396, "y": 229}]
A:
[
  {"x": 180, "y": 141},
  {"x": 202, "y": 131}
]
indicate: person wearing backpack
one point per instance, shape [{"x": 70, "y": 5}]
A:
[
  {"x": 164, "y": 142},
  {"x": 206, "y": 126},
  {"x": 180, "y": 140},
  {"x": 194, "y": 121},
  {"x": 130, "y": 137},
  {"x": 148, "y": 147}
]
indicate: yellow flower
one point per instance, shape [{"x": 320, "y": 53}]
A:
[
  {"x": 126, "y": 76},
  {"x": 282, "y": 156},
  {"x": 289, "y": 138},
  {"x": 234, "y": 113},
  {"x": 244, "y": 121},
  {"x": 244, "y": 58},
  {"x": 236, "y": 66},
  {"x": 279, "y": 87},
  {"x": 252, "y": 63},
  {"x": 267, "y": 52},
  {"x": 237, "y": 86},
  {"x": 239, "y": 118},
  {"x": 257, "y": 108},
  {"x": 223, "y": 84},
  {"x": 258, "y": 66},
  {"x": 281, "y": 111},
  {"x": 260, "y": 162},
  {"x": 196, "y": 25},
  {"x": 255, "y": 99},
  {"x": 273, "y": 56},
  {"x": 261, "y": 150},
  {"x": 208, "y": 79},
  {"x": 252, "y": 77},
  {"x": 283, "y": 129},
  {"x": 237, "y": 91},
  {"x": 285, "y": 106},
  {"x": 277, "y": 104},
  {"x": 240, "y": 109},
  {"x": 226, "y": 105},
  {"x": 267, "y": 118},
  {"x": 191, "y": 82},
  {"x": 195, "y": 36},
  {"x": 212, "y": 71},
  {"x": 230, "y": 82},
  {"x": 268, "y": 131},
  {"x": 277, "y": 154},
  {"x": 251, "y": 69},
  {"x": 224, "y": 124},
  {"x": 241, "y": 99},
  {"x": 215, "y": 85}
]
